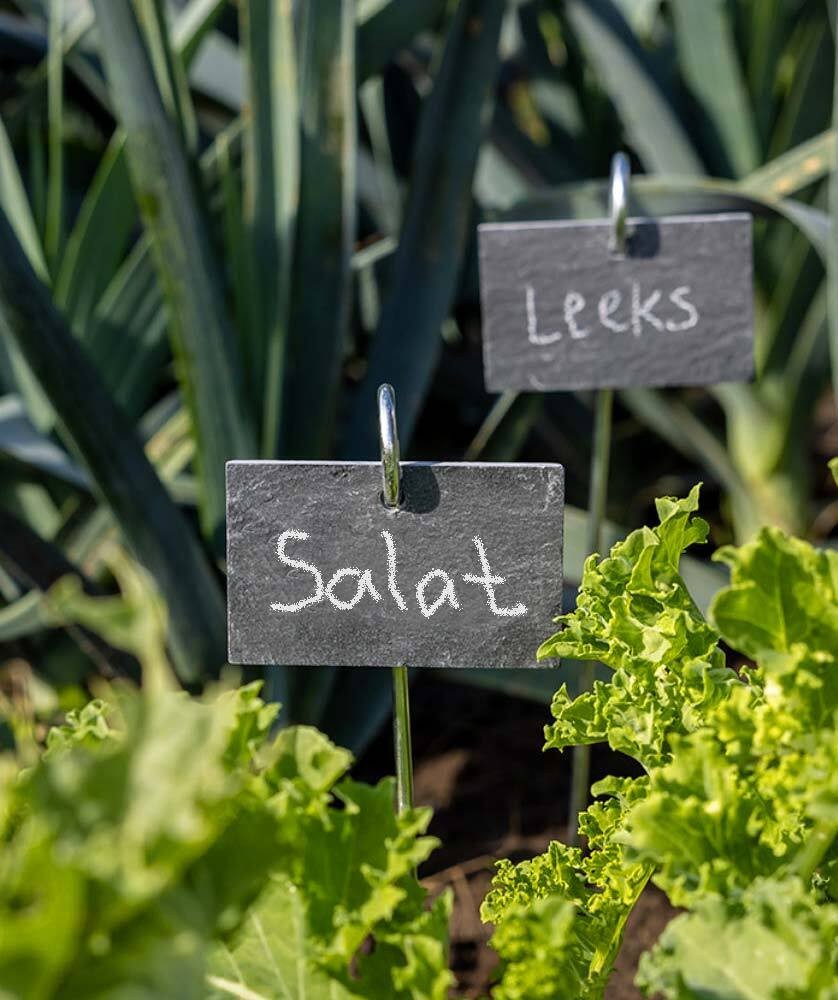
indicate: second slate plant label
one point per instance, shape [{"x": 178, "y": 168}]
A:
[
  {"x": 466, "y": 572},
  {"x": 560, "y": 311}
]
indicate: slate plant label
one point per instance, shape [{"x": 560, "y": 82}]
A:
[
  {"x": 466, "y": 572},
  {"x": 560, "y": 311}
]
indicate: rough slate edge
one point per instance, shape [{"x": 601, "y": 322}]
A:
[
  {"x": 549, "y": 663},
  {"x": 744, "y": 375},
  {"x": 631, "y": 221}
]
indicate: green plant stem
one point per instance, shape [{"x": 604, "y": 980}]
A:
[
  {"x": 401, "y": 740},
  {"x": 170, "y": 205},
  {"x": 814, "y": 849},
  {"x": 436, "y": 224},
  {"x": 270, "y": 202},
  {"x": 600, "y": 459}
]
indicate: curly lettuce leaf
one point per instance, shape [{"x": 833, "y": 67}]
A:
[
  {"x": 156, "y": 825},
  {"x": 783, "y": 592},
  {"x": 740, "y": 798},
  {"x": 559, "y": 918},
  {"x": 89, "y": 725},
  {"x": 625, "y": 596},
  {"x": 737, "y": 816},
  {"x": 540, "y": 953},
  {"x": 738, "y": 802},
  {"x": 635, "y": 615},
  {"x": 774, "y": 942},
  {"x": 698, "y": 824},
  {"x": 350, "y": 874}
]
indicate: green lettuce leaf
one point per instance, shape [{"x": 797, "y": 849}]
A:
[
  {"x": 783, "y": 592},
  {"x": 736, "y": 818},
  {"x": 635, "y": 615},
  {"x": 349, "y": 875},
  {"x": 559, "y": 918},
  {"x": 276, "y": 954},
  {"x": 160, "y": 837},
  {"x": 774, "y": 942}
]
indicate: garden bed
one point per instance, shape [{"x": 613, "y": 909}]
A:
[{"x": 495, "y": 794}]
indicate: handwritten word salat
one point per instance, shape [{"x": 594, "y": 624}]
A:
[
  {"x": 619, "y": 311},
  {"x": 435, "y": 589}
]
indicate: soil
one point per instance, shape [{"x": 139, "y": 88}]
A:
[{"x": 479, "y": 763}]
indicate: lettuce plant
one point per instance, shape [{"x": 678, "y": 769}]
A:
[
  {"x": 736, "y": 814},
  {"x": 166, "y": 847}
]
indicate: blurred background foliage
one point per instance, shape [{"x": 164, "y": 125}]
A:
[{"x": 225, "y": 223}]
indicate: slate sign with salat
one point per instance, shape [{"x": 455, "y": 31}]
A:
[
  {"x": 465, "y": 572},
  {"x": 560, "y": 311}
]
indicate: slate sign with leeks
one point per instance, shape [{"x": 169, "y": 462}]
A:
[
  {"x": 466, "y": 571},
  {"x": 562, "y": 311}
]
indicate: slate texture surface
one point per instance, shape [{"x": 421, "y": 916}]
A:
[
  {"x": 515, "y": 510},
  {"x": 560, "y": 311}
]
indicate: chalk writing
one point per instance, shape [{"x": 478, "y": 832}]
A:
[
  {"x": 448, "y": 593},
  {"x": 366, "y": 588},
  {"x": 391, "y": 571},
  {"x": 533, "y": 335},
  {"x": 618, "y": 311},
  {"x": 490, "y": 582}
]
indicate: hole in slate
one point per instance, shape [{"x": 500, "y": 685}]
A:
[{"x": 386, "y": 506}]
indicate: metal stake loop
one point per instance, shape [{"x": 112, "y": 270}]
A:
[{"x": 618, "y": 203}]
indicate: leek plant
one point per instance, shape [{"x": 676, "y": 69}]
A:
[{"x": 223, "y": 225}]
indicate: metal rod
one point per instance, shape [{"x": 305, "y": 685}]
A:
[
  {"x": 600, "y": 460},
  {"x": 618, "y": 200},
  {"x": 402, "y": 742},
  {"x": 391, "y": 495}
]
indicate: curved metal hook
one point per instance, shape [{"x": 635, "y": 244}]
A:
[
  {"x": 388, "y": 437},
  {"x": 618, "y": 199}
]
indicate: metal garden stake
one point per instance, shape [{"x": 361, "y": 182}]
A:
[
  {"x": 618, "y": 197},
  {"x": 390, "y": 496},
  {"x": 570, "y": 305},
  {"x": 419, "y": 564}
]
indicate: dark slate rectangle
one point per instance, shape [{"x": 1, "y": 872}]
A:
[
  {"x": 561, "y": 312},
  {"x": 515, "y": 512}
]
